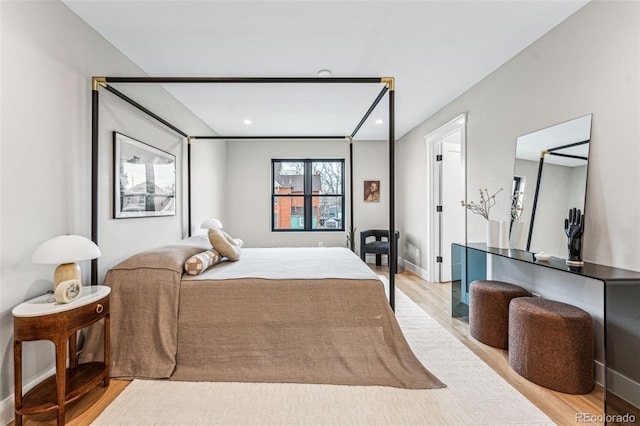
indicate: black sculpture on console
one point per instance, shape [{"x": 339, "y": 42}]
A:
[{"x": 574, "y": 228}]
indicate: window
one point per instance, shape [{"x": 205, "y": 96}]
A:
[{"x": 307, "y": 195}]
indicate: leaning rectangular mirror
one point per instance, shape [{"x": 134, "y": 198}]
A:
[{"x": 549, "y": 178}]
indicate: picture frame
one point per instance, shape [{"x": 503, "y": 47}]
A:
[
  {"x": 144, "y": 179},
  {"x": 371, "y": 191}
]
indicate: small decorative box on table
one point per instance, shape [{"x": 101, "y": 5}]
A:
[{"x": 40, "y": 319}]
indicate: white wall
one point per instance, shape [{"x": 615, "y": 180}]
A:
[
  {"x": 248, "y": 204},
  {"x": 48, "y": 58},
  {"x": 370, "y": 162},
  {"x": 588, "y": 64},
  {"x": 208, "y": 181}
]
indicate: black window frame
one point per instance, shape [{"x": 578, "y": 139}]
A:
[{"x": 308, "y": 194}]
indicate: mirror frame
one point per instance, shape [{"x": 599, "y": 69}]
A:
[{"x": 582, "y": 137}]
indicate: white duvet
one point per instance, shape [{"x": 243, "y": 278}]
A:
[{"x": 290, "y": 263}]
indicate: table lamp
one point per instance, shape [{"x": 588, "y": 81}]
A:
[
  {"x": 211, "y": 223},
  {"x": 64, "y": 251}
]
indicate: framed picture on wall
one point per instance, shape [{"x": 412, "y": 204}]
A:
[
  {"x": 145, "y": 179},
  {"x": 371, "y": 191}
]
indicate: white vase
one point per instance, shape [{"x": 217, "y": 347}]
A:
[
  {"x": 503, "y": 238},
  {"x": 493, "y": 233}
]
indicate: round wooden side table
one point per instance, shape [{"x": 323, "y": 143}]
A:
[{"x": 43, "y": 319}]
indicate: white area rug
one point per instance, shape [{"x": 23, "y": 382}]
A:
[{"x": 475, "y": 394}]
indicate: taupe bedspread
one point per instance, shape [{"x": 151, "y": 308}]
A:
[
  {"x": 145, "y": 290},
  {"x": 270, "y": 317}
]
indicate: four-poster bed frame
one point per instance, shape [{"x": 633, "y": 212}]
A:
[{"x": 103, "y": 82}]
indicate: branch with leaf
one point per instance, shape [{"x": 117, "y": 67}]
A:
[
  {"x": 483, "y": 207},
  {"x": 517, "y": 207}
]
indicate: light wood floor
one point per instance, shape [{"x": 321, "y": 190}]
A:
[{"x": 434, "y": 298}]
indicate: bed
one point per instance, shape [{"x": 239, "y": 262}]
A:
[{"x": 289, "y": 315}]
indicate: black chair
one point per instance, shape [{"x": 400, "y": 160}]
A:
[{"x": 379, "y": 246}]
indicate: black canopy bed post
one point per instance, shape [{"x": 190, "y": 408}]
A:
[
  {"x": 268, "y": 137},
  {"x": 388, "y": 87},
  {"x": 95, "y": 103},
  {"x": 189, "y": 140},
  {"x": 277, "y": 80},
  {"x": 393, "y": 243},
  {"x": 351, "y": 230}
]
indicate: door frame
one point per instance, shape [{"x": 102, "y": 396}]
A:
[{"x": 433, "y": 141}]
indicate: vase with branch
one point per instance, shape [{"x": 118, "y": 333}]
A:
[
  {"x": 483, "y": 208},
  {"x": 518, "y": 233}
]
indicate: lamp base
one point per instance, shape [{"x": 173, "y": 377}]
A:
[{"x": 64, "y": 272}]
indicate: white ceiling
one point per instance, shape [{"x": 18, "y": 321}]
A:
[{"x": 435, "y": 50}]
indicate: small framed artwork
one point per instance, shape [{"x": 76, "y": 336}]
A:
[
  {"x": 371, "y": 191},
  {"x": 145, "y": 179}
]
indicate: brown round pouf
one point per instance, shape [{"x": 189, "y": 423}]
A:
[
  {"x": 489, "y": 311},
  {"x": 551, "y": 344}
]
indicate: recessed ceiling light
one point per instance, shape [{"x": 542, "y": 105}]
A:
[
  {"x": 379, "y": 121},
  {"x": 247, "y": 122},
  {"x": 324, "y": 73}
]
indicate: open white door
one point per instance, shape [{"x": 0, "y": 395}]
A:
[
  {"x": 452, "y": 216},
  {"x": 445, "y": 215}
]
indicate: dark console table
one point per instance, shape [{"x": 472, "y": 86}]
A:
[{"x": 621, "y": 296}]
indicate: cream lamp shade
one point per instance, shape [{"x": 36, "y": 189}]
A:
[
  {"x": 211, "y": 223},
  {"x": 64, "y": 251}
]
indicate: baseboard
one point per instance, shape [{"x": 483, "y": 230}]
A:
[
  {"x": 624, "y": 387},
  {"x": 414, "y": 269},
  {"x": 7, "y": 412},
  {"x": 599, "y": 367}
]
